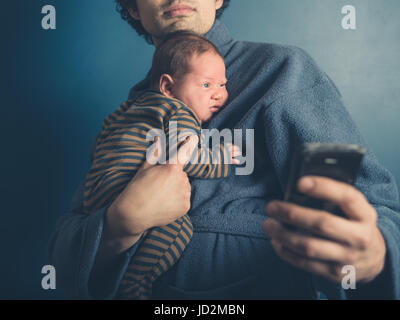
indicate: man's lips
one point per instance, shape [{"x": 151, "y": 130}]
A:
[{"x": 178, "y": 10}]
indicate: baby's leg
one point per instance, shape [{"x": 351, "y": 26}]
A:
[{"x": 160, "y": 249}]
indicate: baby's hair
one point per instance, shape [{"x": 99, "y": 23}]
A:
[{"x": 174, "y": 52}]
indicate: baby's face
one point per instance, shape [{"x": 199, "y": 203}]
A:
[{"x": 203, "y": 87}]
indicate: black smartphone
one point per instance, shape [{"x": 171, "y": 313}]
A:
[{"x": 333, "y": 160}]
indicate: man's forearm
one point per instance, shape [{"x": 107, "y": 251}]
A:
[{"x": 112, "y": 245}]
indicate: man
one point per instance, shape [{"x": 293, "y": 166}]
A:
[{"x": 237, "y": 250}]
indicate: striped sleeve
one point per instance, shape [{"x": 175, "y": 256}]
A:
[
  {"x": 204, "y": 163},
  {"x": 211, "y": 163}
]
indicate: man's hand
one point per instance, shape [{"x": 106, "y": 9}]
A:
[
  {"x": 156, "y": 196},
  {"x": 328, "y": 242}
]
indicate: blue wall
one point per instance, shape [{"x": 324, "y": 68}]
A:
[{"x": 60, "y": 85}]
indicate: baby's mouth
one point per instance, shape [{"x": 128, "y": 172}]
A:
[{"x": 215, "y": 108}]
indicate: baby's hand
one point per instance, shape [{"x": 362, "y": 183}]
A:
[{"x": 235, "y": 152}]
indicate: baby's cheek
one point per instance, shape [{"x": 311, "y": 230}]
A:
[{"x": 226, "y": 96}]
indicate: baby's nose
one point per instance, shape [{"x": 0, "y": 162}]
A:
[{"x": 217, "y": 95}]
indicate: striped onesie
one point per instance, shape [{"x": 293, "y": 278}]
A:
[{"x": 120, "y": 151}]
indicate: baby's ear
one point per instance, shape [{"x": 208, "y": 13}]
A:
[{"x": 167, "y": 85}]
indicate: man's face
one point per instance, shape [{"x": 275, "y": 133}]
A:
[
  {"x": 160, "y": 17},
  {"x": 203, "y": 87}
]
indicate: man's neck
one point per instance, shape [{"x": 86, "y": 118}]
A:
[
  {"x": 218, "y": 34},
  {"x": 220, "y": 37},
  {"x": 157, "y": 41}
]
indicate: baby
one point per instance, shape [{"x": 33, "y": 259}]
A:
[{"x": 188, "y": 84}]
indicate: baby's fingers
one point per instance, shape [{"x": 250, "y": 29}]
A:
[
  {"x": 235, "y": 151},
  {"x": 235, "y": 161}
]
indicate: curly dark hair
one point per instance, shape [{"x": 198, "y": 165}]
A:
[{"x": 124, "y": 5}]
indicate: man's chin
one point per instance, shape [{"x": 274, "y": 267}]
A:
[{"x": 184, "y": 24}]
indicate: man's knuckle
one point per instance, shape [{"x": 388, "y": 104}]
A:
[
  {"x": 303, "y": 263},
  {"x": 373, "y": 216},
  {"x": 338, "y": 278},
  {"x": 335, "y": 271},
  {"x": 359, "y": 194},
  {"x": 290, "y": 213},
  {"x": 350, "y": 257},
  {"x": 309, "y": 249},
  {"x": 321, "y": 226},
  {"x": 363, "y": 241},
  {"x": 348, "y": 195}
]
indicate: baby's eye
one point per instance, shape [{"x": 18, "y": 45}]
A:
[
  {"x": 206, "y": 85},
  {"x": 222, "y": 85}
]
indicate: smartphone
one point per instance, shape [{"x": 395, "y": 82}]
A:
[{"x": 333, "y": 160}]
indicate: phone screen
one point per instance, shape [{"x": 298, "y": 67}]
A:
[{"x": 335, "y": 161}]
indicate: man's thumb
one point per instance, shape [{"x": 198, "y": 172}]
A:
[
  {"x": 153, "y": 155},
  {"x": 186, "y": 150}
]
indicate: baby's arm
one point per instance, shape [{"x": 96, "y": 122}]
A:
[
  {"x": 216, "y": 160},
  {"x": 205, "y": 162}
]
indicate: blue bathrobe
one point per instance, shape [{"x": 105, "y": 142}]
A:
[{"x": 282, "y": 94}]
